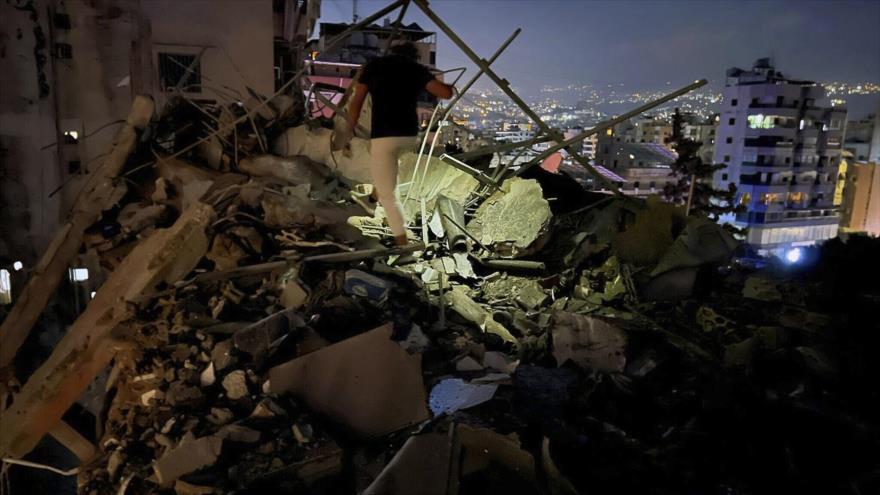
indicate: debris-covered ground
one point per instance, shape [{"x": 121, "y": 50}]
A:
[{"x": 536, "y": 338}]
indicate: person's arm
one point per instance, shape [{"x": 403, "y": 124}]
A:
[
  {"x": 357, "y": 104},
  {"x": 439, "y": 89}
]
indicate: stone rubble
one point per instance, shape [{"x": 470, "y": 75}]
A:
[{"x": 558, "y": 344}]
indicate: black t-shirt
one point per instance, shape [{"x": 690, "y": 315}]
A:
[{"x": 394, "y": 84}]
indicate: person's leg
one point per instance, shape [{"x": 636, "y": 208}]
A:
[{"x": 383, "y": 167}]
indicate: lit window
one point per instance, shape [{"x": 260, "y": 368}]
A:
[
  {"x": 18, "y": 265},
  {"x": 71, "y": 137},
  {"x": 760, "y": 121},
  {"x": 745, "y": 199},
  {"x": 5, "y": 287},
  {"x": 78, "y": 274}
]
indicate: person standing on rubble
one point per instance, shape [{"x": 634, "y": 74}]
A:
[{"x": 394, "y": 83}]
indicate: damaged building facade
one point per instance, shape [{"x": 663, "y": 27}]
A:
[
  {"x": 72, "y": 68},
  {"x": 250, "y": 331}
]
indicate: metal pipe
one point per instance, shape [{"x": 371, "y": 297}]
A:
[
  {"x": 479, "y": 73},
  {"x": 504, "y": 85},
  {"x": 396, "y": 27},
  {"x": 456, "y": 239},
  {"x": 500, "y": 148},
  {"x": 465, "y": 231},
  {"x": 464, "y": 167}
]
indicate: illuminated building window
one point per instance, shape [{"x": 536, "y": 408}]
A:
[
  {"x": 78, "y": 274},
  {"x": 760, "y": 121},
  {"x": 5, "y": 287},
  {"x": 769, "y": 198},
  {"x": 745, "y": 199},
  {"x": 795, "y": 197}
]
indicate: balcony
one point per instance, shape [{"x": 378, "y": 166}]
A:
[
  {"x": 768, "y": 142},
  {"x": 773, "y": 105}
]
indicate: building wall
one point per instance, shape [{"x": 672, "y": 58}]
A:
[
  {"x": 861, "y": 211},
  {"x": 236, "y": 36},
  {"x": 29, "y": 170},
  {"x": 111, "y": 47},
  {"x": 781, "y": 141}
]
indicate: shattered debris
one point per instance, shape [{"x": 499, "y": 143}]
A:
[{"x": 261, "y": 339}]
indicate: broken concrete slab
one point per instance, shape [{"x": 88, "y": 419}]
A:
[
  {"x": 256, "y": 338},
  {"x": 191, "y": 455},
  {"x": 344, "y": 381},
  {"x": 88, "y": 346},
  {"x": 514, "y": 220},
  {"x": 650, "y": 234},
  {"x": 468, "y": 309},
  {"x": 100, "y": 192},
  {"x": 701, "y": 242},
  {"x": 588, "y": 341},
  {"x": 422, "y": 465},
  {"x": 293, "y": 169}
]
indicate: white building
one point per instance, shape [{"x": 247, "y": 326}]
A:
[{"x": 781, "y": 141}]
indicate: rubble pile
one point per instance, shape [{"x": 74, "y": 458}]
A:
[{"x": 529, "y": 341}]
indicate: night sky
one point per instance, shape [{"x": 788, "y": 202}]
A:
[{"x": 646, "y": 44}]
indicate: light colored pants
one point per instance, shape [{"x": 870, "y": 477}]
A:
[{"x": 384, "y": 153}]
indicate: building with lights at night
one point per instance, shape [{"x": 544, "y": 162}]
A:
[{"x": 781, "y": 141}]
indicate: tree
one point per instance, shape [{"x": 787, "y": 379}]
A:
[{"x": 690, "y": 171}]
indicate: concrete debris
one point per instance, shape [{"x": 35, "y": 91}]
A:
[
  {"x": 422, "y": 465},
  {"x": 343, "y": 382},
  {"x": 515, "y": 220},
  {"x": 235, "y": 384},
  {"x": 254, "y": 321},
  {"x": 589, "y": 342},
  {"x": 192, "y": 454}
]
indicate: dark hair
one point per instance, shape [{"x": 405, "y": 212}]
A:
[{"x": 406, "y": 50}]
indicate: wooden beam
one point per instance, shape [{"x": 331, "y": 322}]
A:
[
  {"x": 100, "y": 193},
  {"x": 90, "y": 344}
]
